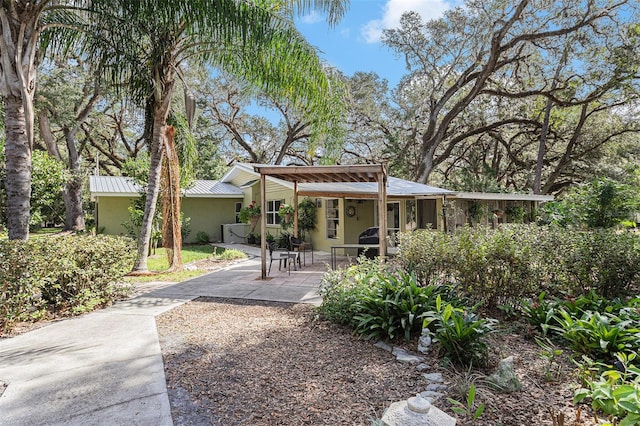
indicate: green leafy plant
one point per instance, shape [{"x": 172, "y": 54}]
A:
[
  {"x": 460, "y": 333},
  {"x": 202, "y": 237},
  {"x": 600, "y": 334},
  {"x": 549, "y": 353},
  {"x": 394, "y": 306},
  {"x": 307, "y": 216},
  {"x": 541, "y": 313},
  {"x": 286, "y": 212},
  {"x": 616, "y": 392},
  {"x": 469, "y": 408}
]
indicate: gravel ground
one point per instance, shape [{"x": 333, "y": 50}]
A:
[{"x": 258, "y": 363}]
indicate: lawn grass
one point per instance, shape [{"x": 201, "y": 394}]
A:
[{"x": 158, "y": 263}]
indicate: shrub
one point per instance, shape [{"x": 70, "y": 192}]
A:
[
  {"x": 601, "y": 335},
  {"x": 460, "y": 333},
  {"x": 81, "y": 270},
  {"x": 342, "y": 289},
  {"x": 19, "y": 293},
  {"x": 70, "y": 273},
  {"x": 202, "y": 237},
  {"x": 616, "y": 392},
  {"x": 393, "y": 306}
]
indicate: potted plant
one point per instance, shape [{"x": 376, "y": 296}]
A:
[
  {"x": 250, "y": 214},
  {"x": 286, "y": 212},
  {"x": 307, "y": 216}
]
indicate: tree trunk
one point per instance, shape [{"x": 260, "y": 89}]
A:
[
  {"x": 74, "y": 214},
  {"x": 153, "y": 188},
  {"x": 18, "y": 166},
  {"x": 160, "y": 106},
  {"x": 170, "y": 187}
]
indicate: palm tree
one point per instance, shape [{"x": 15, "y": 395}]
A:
[
  {"x": 146, "y": 42},
  {"x": 22, "y": 23}
]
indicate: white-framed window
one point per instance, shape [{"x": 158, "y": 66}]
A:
[
  {"x": 272, "y": 211},
  {"x": 333, "y": 217},
  {"x": 410, "y": 221},
  {"x": 238, "y": 208}
]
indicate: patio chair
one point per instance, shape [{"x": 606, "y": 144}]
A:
[
  {"x": 303, "y": 247},
  {"x": 282, "y": 255}
]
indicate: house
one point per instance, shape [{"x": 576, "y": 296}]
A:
[{"x": 345, "y": 209}]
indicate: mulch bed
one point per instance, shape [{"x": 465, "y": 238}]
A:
[{"x": 260, "y": 363}]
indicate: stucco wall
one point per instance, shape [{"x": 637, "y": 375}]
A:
[
  {"x": 208, "y": 214},
  {"x": 112, "y": 213}
]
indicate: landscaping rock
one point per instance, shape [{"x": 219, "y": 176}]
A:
[
  {"x": 433, "y": 377},
  {"x": 406, "y": 357},
  {"x": 423, "y": 367},
  {"x": 424, "y": 343},
  {"x": 431, "y": 396},
  {"x": 436, "y": 387},
  {"x": 382, "y": 345},
  {"x": 505, "y": 379},
  {"x": 416, "y": 411}
]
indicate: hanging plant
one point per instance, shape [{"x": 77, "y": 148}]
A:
[{"x": 286, "y": 212}]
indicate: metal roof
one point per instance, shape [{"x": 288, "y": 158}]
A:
[
  {"x": 396, "y": 188},
  {"x": 501, "y": 196},
  {"x": 119, "y": 186}
]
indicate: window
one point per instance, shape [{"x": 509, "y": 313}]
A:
[
  {"x": 410, "y": 222},
  {"x": 238, "y": 208},
  {"x": 333, "y": 218},
  {"x": 272, "y": 211}
]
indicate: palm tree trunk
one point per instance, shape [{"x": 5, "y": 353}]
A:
[
  {"x": 170, "y": 186},
  {"x": 153, "y": 189},
  {"x": 18, "y": 164},
  {"x": 161, "y": 104}
]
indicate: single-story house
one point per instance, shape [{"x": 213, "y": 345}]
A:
[{"x": 345, "y": 209}]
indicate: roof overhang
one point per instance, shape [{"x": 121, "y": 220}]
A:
[
  {"x": 324, "y": 174},
  {"x": 500, "y": 196}
]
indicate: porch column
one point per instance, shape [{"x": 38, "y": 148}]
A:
[
  {"x": 263, "y": 224},
  {"x": 382, "y": 214}
]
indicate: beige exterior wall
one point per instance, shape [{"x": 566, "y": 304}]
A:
[
  {"x": 208, "y": 214},
  {"x": 112, "y": 213}
]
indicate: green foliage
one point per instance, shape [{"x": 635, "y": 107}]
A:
[
  {"x": 497, "y": 267},
  {"x": 69, "y": 274},
  {"x": 540, "y": 312},
  {"x": 307, "y": 215},
  {"x": 394, "y": 306},
  {"x": 601, "y": 335},
  {"x": 342, "y": 289},
  {"x": 202, "y": 237},
  {"x": 282, "y": 240},
  {"x": 549, "y": 353},
  {"x": 79, "y": 271},
  {"x": 248, "y": 212},
  {"x": 616, "y": 392},
  {"x": 47, "y": 181},
  {"x": 467, "y": 409},
  {"x": 601, "y": 203},
  {"x": 286, "y": 212},
  {"x": 460, "y": 333},
  {"x": 229, "y": 254}
]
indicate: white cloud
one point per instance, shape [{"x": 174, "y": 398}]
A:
[
  {"x": 393, "y": 10},
  {"x": 312, "y": 18}
]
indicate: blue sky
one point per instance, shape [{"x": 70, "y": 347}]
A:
[{"x": 354, "y": 44}]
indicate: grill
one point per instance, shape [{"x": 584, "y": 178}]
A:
[{"x": 369, "y": 236}]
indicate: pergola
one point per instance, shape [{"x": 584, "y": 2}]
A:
[{"x": 324, "y": 174}]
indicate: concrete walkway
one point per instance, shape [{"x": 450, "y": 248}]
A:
[{"x": 105, "y": 368}]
